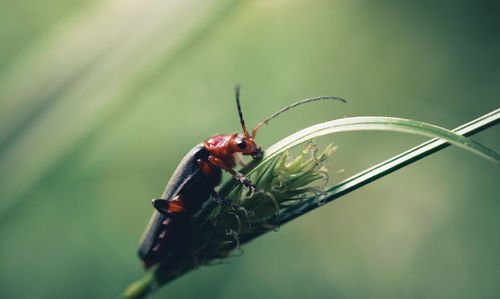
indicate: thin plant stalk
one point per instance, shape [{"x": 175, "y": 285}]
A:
[{"x": 399, "y": 161}]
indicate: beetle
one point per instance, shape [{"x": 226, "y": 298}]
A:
[{"x": 193, "y": 182}]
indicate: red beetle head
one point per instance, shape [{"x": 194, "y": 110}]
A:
[{"x": 246, "y": 146}]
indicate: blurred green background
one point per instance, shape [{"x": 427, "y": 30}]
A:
[{"x": 99, "y": 101}]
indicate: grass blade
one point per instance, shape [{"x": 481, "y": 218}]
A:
[
  {"x": 386, "y": 167},
  {"x": 372, "y": 123}
]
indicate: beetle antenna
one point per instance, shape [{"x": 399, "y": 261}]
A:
[
  {"x": 291, "y": 106},
  {"x": 237, "y": 93}
]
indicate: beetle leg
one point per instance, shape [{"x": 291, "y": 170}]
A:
[
  {"x": 224, "y": 202},
  {"x": 245, "y": 181},
  {"x": 169, "y": 206},
  {"x": 235, "y": 208},
  {"x": 240, "y": 159},
  {"x": 237, "y": 175}
]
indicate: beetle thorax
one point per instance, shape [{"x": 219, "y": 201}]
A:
[{"x": 218, "y": 142}]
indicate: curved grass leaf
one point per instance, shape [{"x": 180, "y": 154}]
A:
[
  {"x": 370, "y": 123},
  {"x": 390, "y": 165}
]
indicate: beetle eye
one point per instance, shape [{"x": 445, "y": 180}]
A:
[{"x": 241, "y": 143}]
